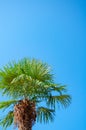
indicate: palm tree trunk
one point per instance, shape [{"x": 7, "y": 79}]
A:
[
  {"x": 24, "y": 115},
  {"x": 24, "y": 127}
]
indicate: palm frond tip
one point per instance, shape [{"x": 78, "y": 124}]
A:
[
  {"x": 6, "y": 104},
  {"x": 45, "y": 114},
  {"x": 7, "y": 120}
]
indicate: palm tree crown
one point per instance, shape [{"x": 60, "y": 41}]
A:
[{"x": 29, "y": 84}]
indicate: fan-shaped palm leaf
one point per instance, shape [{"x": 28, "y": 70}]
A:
[
  {"x": 63, "y": 100},
  {"x": 45, "y": 114}
]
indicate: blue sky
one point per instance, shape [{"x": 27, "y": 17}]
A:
[{"x": 53, "y": 31}]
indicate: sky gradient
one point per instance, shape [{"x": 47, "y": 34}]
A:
[{"x": 55, "y": 32}]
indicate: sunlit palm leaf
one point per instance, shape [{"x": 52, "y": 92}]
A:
[{"x": 24, "y": 76}]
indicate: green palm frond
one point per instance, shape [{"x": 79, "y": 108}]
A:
[
  {"x": 45, "y": 115},
  {"x": 24, "y": 75},
  {"x": 6, "y": 104},
  {"x": 7, "y": 120},
  {"x": 63, "y": 100},
  {"x": 59, "y": 88}
]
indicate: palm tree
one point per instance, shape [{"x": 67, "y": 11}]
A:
[{"x": 33, "y": 94}]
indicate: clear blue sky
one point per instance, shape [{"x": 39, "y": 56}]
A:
[{"x": 53, "y": 31}]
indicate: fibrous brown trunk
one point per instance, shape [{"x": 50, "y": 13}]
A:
[{"x": 24, "y": 115}]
